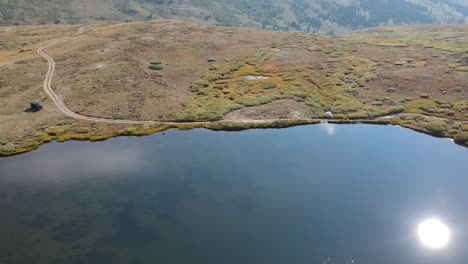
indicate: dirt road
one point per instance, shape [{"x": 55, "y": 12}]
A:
[{"x": 58, "y": 100}]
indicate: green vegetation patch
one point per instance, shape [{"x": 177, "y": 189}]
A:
[
  {"x": 231, "y": 126},
  {"x": 7, "y": 147},
  {"x": 462, "y": 138},
  {"x": 54, "y": 131},
  {"x": 268, "y": 85},
  {"x": 156, "y": 66},
  {"x": 202, "y": 82},
  {"x": 436, "y": 126}
]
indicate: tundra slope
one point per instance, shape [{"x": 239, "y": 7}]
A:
[
  {"x": 67, "y": 112},
  {"x": 412, "y": 76},
  {"x": 324, "y": 16}
]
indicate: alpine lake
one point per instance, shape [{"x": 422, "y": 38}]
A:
[{"x": 317, "y": 194}]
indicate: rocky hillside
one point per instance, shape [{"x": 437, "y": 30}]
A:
[{"x": 323, "y": 16}]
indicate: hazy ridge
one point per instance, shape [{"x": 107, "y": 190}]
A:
[{"x": 323, "y": 16}]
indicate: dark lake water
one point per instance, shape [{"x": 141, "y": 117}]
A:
[{"x": 318, "y": 194}]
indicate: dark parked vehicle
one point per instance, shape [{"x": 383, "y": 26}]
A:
[{"x": 36, "y": 106}]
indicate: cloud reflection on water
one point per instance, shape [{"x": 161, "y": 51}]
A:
[
  {"x": 79, "y": 160},
  {"x": 330, "y": 129}
]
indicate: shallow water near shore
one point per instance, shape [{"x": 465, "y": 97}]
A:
[{"x": 311, "y": 194}]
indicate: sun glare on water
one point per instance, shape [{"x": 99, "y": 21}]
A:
[{"x": 433, "y": 233}]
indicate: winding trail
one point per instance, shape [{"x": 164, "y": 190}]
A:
[
  {"x": 61, "y": 105},
  {"x": 59, "y": 102}
]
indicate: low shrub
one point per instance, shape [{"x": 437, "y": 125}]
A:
[
  {"x": 377, "y": 112},
  {"x": 41, "y": 136},
  {"x": 253, "y": 101},
  {"x": 436, "y": 126},
  {"x": 446, "y": 106},
  {"x": 269, "y": 85},
  {"x": 395, "y": 110},
  {"x": 202, "y": 82},
  {"x": 428, "y": 108},
  {"x": 54, "y": 131},
  {"x": 462, "y": 138},
  {"x": 211, "y": 77},
  {"x": 128, "y": 131},
  {"x": 156, "y": 67},
  {"x": 82, "y": 130},
  {"x": 219, "y": 86},
  {"x": 8, "y": 147},
  {"x": 297, "y": 94},
  {"x": 196, "y": 88}
]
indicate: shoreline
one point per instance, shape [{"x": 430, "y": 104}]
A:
[{"x": 213, "y": 126}]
